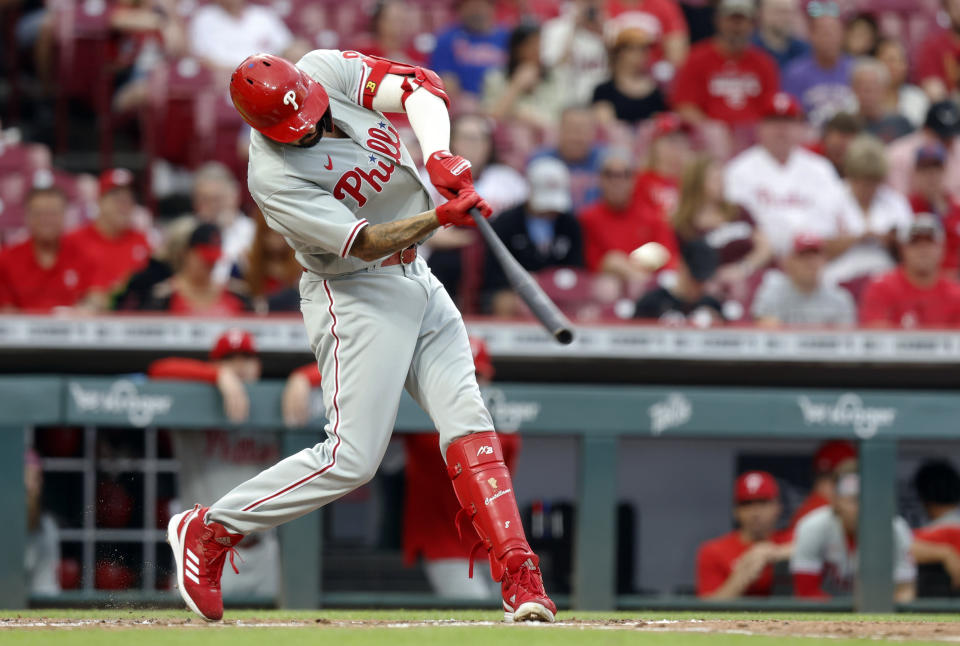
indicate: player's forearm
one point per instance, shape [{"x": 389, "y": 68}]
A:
[{"x": 378, "y": 240}]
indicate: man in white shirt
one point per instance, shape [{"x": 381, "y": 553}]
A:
[
  {"x": 824, "y": 559},
  {"x": 788, "y": 190},
  {"x": 216, "y": 200},
  {"x": 224, "y": 32},
  {"x": 572, "y": 45}
]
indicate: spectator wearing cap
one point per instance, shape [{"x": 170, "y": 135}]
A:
[
  {"x": 797, "y": 295},
  {"x": 936, "y": 61},
  {"x": 726, "y": 78},
  {"x": 937, "y": 484},
  {"x": 526, "y": 91},
  {"x": 579, "y": 151},
  {"x": 772, "y": 180},
  {"x": 632, "y": 93},
  {"x": 216, "y": 200},
  {"x": 471, "y": 136},
  {"x": 821, "y": 79},
  {"x": 470, "y": 47},
  {"x": 915, "y": 294},
  {"x": 212, "y": 461},
  {"x": 824, "y": 558},
  {"x": 223, "y": 32},
  {"x": 835, "y": 137},
  {"x": 942, "y": 125},
  {"x": 663, "y": 19},
  {"x": 740, "y": 563},
  {"x": 831, "y": 457},
  {"x": 616, "y": 225},
  {"x": 683, "y": 295},
  {"x": 902, "y": 96},
  {"x": 541, "y": 233},
  {"x": 669, "y": 153},
  {"x": 776, "y": 31},
  {"x": 930, "y": 194},
  {"x": 572, "y": 46},
  {"x": 875, "y": 212},
  {"x": 115, "y": 247},
  {"x": 704, "y": 214},
  {"x": 47, "y": 270},
  {"x": 870, "y": 81},
  {"x": 192, "y": 289}
]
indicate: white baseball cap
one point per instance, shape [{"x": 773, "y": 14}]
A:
[{"x": 549, "y": 185}]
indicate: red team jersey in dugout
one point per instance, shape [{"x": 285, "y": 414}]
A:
[
  {"x": 25, "y": 285},
  {"x": 717, "y": 558},
  {"x": 726, "y": 88}
]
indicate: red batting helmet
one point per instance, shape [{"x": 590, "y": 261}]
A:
[{"x": 276, "y": 97}]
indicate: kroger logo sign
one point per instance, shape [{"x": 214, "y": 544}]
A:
[
  {"x": 122, "y": 399},
  {"x": 509, "y": 415},
  {"x": 847, "y": 411}
]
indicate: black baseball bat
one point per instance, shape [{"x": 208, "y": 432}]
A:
[{"x": 523, "y": 283}]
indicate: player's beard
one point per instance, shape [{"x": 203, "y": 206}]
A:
[{"x": 312, "y": 141}]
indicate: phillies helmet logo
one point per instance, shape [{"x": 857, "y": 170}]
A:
[{"x": 290, "y": 98}]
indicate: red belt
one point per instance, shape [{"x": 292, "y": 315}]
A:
[{"x": 402, "y": 257}]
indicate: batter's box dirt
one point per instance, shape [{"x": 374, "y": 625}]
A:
[{"x": 944, "y": 631}]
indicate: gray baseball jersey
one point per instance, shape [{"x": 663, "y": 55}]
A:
[
  {"x": 375, "y": 330},
  {"x": 820, "y": 547},
  {"x": 319, "y": 198}
]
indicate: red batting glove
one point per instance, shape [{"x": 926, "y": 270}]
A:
[
  {"x": 456, "y": 211},
  {"x": 449, "y": 173}
]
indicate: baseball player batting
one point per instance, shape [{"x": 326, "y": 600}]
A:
[{"x": 330, "y": 173}]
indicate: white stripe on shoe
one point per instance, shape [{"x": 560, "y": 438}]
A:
[
  {"x": 191, "y": 557},
  {"x": 193, "y": 577}
]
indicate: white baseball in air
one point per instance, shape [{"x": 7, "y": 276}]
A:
[{"x": 651, "y": 256}]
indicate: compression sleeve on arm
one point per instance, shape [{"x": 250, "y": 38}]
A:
[{"x": 426, "y": 112}]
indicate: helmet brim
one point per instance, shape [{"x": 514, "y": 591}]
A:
[{"x": 299, "y": 123}]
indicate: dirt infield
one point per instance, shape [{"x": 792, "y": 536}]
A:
[{"x": 938, "y": 631}]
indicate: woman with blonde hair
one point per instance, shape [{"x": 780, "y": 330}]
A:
[{"x": 704, "y": 216}]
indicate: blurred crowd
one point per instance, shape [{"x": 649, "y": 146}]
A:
[{"x": 784, "y": 162}]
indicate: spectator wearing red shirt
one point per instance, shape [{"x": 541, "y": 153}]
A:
[
  {"x": 915, "y": 294},
  {"x": 115, "y": 247},
  {"x": 937, "y": 485},
  {"x": 430, "y": 506},
  {"x": 938, "y": 61},
  {"x": 616, "y": 225},
  {"x": 47, "y": 270},
  {"x": 740, "y": 563},
  {"x": 663, "y": 19},
  {"x": 727, "y": 78},
  {"x": 831, "y": 457},
  {"x": 929, "y": 194},
  {"x": 192, "y": 289},
  {"x": 659, "y": 183}
]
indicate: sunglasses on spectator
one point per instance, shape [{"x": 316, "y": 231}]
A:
[{"x": 818, "y": 9}]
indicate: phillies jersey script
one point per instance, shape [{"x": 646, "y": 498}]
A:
[{"x": 332, "y": 190}]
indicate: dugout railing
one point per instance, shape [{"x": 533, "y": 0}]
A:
[{"x": 597, "y": 415}]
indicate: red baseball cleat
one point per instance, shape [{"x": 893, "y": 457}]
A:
[
  {"x": 524, "y": 598},
  {"x": 200, "y": 550}
]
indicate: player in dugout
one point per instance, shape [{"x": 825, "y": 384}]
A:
[
  {"x": 824, "y": 559},
  {"x": 213, "y": 460},
  {"x": 740, "y": 563}
]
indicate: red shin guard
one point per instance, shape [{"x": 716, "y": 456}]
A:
[{"x": 485, "y": 491}]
